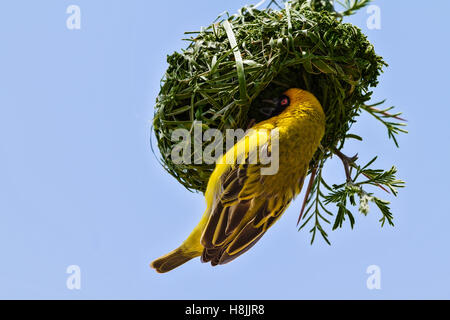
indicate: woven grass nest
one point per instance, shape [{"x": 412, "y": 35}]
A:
[{"x": 239, "y": 60}]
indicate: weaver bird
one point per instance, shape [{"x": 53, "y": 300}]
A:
[{"x": 241, "y": 202}]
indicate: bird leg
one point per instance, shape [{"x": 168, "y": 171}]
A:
[
  {"x": 347, "y": 162},
  {"x": 251, "y": 123}
]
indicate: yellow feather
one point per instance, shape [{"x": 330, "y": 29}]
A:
[{"x": 260, "y": 200}]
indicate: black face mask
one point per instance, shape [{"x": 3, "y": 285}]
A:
[{"x": 276, "y": 106}]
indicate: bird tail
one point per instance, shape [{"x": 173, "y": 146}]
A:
[
  {"x": 190, "y": 249},
  {"x": 173, "y": 260}
]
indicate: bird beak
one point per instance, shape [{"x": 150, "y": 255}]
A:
[
  {"x": 269, "y": 110},
  {"x": 274, "y": 102}
]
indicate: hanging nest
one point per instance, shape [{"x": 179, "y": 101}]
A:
[{"x": 230, "y": 66}]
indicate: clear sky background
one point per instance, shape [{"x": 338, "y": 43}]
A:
[{"x": 79, "y": 184}]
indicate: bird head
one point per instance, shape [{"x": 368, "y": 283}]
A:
[{"x": 291, "y": 100}]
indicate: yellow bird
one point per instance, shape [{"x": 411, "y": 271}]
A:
[{"x": 241, "y": 202}]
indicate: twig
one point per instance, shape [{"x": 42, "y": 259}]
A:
[
  {"x": 378, "y": 185},
  {"x": 308, "y": 191},
  {"x": 388, "y": 115},
  {"x": 275, "y": 2},
  {"x": 346, "y": 161}
]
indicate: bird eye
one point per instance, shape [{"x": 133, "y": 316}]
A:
[{"x": 284, "y": 101}]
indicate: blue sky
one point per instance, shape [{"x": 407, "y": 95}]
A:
[{"x": 79, "y": 184}]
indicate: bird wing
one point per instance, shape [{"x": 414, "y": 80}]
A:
[{"x": 242, "y": 209}]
